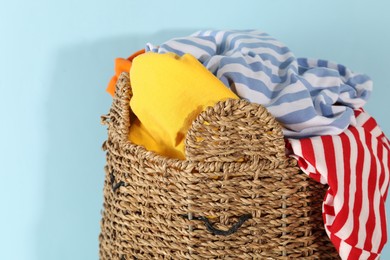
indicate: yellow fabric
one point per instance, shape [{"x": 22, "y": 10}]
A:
[{"x": 169, "y": 91}]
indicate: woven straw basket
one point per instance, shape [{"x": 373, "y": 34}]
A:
[{"x": 236, "y": 196}]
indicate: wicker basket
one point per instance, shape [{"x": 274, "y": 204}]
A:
[{"x": 236, "y": 196}]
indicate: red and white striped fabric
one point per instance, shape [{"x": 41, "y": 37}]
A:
[{"x": 355, "y": 165}]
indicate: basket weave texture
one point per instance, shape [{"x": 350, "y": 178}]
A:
[{"x": 236, "y": 196}]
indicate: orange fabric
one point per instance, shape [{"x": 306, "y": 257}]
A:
[{"x": 121, "y": 65}]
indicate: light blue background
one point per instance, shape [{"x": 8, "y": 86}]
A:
[{"x": 56, "y": 58}]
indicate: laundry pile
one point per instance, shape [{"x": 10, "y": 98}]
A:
[{"x": 319, "y": 105}]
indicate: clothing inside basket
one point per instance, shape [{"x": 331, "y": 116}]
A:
[
  {"x": 169, "y": 91},
  {"x": 309, "y": 97}
]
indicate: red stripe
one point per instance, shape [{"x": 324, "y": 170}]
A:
[
  {"x": 316, "y": 177},
  {"x": 327, "y": 194},
  {"x": 329, "y": 210},
  {"x": 383, "y": 140},
  {"x": 382, "y": 214},
  {"x": 373, "y": 256},
  {"x": 372, "y": 186},
  {"x": 384, "y": 173},
  {"x": 370, "y": 125},
  {"x": 342, "y": 216},
  {"x": 357, "y": 112},
  {"x": 287, "y": 144},
  {"x": 357, "y": 207},
  {"x": 308, "y": 151},
  {"x": 324, "y": 214},
  {"x": 382, "y": 166},
  {"x": 355, "y": 253},
  {"x": 386, "y": 190},
  {"x": 302, "y": 163},
  {"x": 336, "y": 241},
  {"x": 308, "y": 156},
  {"x": 330, "y": 159}
]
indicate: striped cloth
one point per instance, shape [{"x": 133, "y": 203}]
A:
[
  {"x": 308, "y": 97},
  {"x": 355, "y": 165}
]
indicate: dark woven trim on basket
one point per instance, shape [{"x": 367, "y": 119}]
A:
[
  {"x": 233, "y": 229},
  {"x": 114, "y": 185}
]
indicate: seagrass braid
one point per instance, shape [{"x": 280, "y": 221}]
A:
[{"x": 236, "y": 196}]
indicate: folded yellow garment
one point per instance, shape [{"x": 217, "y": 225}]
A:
[{"x": 169, "y": 91}]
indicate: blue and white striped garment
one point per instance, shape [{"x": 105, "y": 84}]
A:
[{"x": 308, "y": 97}]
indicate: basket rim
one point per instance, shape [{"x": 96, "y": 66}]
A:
[{"x": 121, "y": 100}]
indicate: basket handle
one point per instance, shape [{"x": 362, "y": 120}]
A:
[
  {"x": 118, "y": 118},
  {"x": 235, "y": 130}
]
